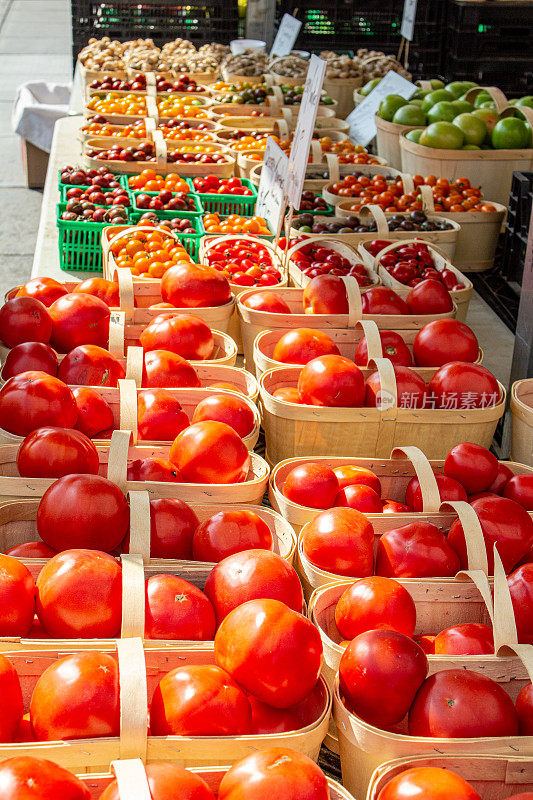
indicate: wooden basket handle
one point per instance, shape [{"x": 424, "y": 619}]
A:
[
  {"x": 476, "y": 550},
  {"x": 373, "y": 339},
  {"x": 132, "y": 782},
  {"x": 408, "y": 182},
  {"x": 481, "y": 581},
  {"x": 504, "y": 622},
  {"x": 117, "y": 463},
  {"x": 497, "y": 95},
  {"x": 135, "y": 365},
  {"x": 273, "y": 105},
  {"x": 140, "y": 530},
  {"x": 127, "y": 391},
  {"x": 150, "y": 126},
  {"x": 428, "y": 202},
  {"x": 152, "y": 109},
  {"x": 150, "y": 78},
  {"x": 133, "y": 699},
  {"x": 316, "y": 152},
  {"x": 287, "y": 115},
  {"x": 426, "y": 477},
  {"x": 525, "y": 110},
  {"x": 117, "y": 325},
  {"x": 133, "y": 595},
  {"x": 160, "y": 148},
  {"x": 126, "y": 292},
  {"x": 282, "y": 127},
  {"x": 355, "y": 304},
  {"x": 333, "y": 167},
  {"x": 378, "y": 215},
  {"x": 277, "y": 94},
  {"x": 389, "y": 388}
]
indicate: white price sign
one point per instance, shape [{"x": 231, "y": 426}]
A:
[
  {"x": 408, "y": 19},
  {"x": 303, "y": 133},
  {"x": 287, "y": 34},
  {"x": 361, "y": 120},
  {"x": 272, "y": 192}
]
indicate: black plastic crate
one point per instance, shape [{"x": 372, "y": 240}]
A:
[
  {"x": 517, "y": 225},
  {"x": 514, "y": 76}
]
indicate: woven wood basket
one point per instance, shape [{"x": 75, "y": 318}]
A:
[{"x": 522, "y": 421}]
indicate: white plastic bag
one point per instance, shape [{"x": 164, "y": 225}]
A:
[{"x": 37, "y": 108}]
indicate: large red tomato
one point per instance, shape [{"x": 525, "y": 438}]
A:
[
  {"x": 184, "y": 334},
  {"x": 210, "y": 452},
  {"x": 83, "y": 511},
  {"x": 270, "y": 302},
  {"x": 457, "y": 385},
  {"x": 94, "y": 412},
  {"x": 499, "y": 483},
  {"x": 266, "y": 719},
  {"x": 176, "y": 609},
  {"x": 273, "y": 652},
  {"x": 187, "y": 285},
  {"x": 449, "y": 489},
  {"x": 172, "y": 527},
  {"x": 30, "y": 356},
  {"x": 444, "y": 340},
  {"x": 90, "y": 365},
  {"x": 33, "y": 400},
  {"x": 382, "y": 300},
  {"x": 520, "y": 489},
  {"x": 17, "y": 597},
  {"x": 277, "y": 772},
  {"x": 77, "y": 697},
  {"x": 160, "y": 415},
  {"x": 361, "y": 497},
  {"x": 54, "y": 452},
  {"x": 331, "y": 381},
  {"x": 35, "y": 549},
  {"x": 199, "y": 701},
  {"x": 230, "y": 531},
  {"x": 165, "y": 369},
  {"x": 349, "y": 474},
  {"x": 428, "y": 783},
  {"x": 524, "y": 710},
  {"x": 443, "y": 707},
  {"x": 28, "y": 778},
  {"x": 379, "y": 674},
  {"x": 469, "y": 639},
  {"x": 325, "y": 294},
  {"x": 411, "y": 389},
  {"x": 251, "y": 575},
  {"x": 472, "y": 465},
  {"x": 105, "y": 290},
  {"x": 24, "y": 319},
  {"x": 47, "y": 290},
  {"x": 231, "y": 409},
  {"x": 340, "y": 541},
  {"x": 393, "y": 346},
  {"x": 153, "y": 469},
  {"x": 521, "y": 589},
  {"x": 429, "y": 297},
  {"x": 301, "y": 345},
  {"x": 167, "y": 782},
  {"x": 375, "y": 603},
  {"x": 503, "y": 522},
  {"x": 79, "y": 319},
  {"x": 417, "y": 550},
  {"x": 313, "y": 485},
  {"x": 12, "y": 704}
]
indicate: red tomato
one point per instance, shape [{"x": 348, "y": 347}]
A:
[
  {"x": 472, "y": 465},
  {"x": 33, "y": 400},
  {"x": 83, "y": 511},
  {"x": 30, "y": 356},
  {"x": 469, "y": 639},
  {"x": 274, "y": 772},
  {"x": 172, "y": 526},
  {"x": 288, "y": 394},
  {"x": 427, "y": 643},
  {"x": 524, "y": 710},
  {"x": 160, "y": 415},
  {"x": 379, "y": 674},
  {"x": 79, "y": 595},
  {"x": 54, "y": 452},
  {"x": 362, "y": 498},
  {"x": 331, "y": 381},
  {"x": 231, "y": 409},
  {"x": 459, "y": 385},
  {"x": 94, "y": 413},
  {"x": 230, "y": 531},
  {"x": 417, "y": 550},
  {"x": 165, "y": 369},
  {"x": 520, "y": 489},
  {"x": 12, "y": 705},
  {"x": 273, "y": 652},
  {"x": 266, "y": 719},
  {"x": 520, "y": 584},
  {"x": 500, "y": 481},
  {"x": 443, "y": 707},
  {"x": 79, "y": 319},
  {"x": 443, "y": 340},
  {"x": 90, "y": 365},
  {"x": 267, "y": 301},
  {"x": 77, "y": 697},
  {"x": 47, "y": 290},
  {"x": 340, "y": 541},
  {"x": 176, "y": 609},
  {"x": 449, "y": 489},
  {"x": 375, "y": 603},
  {"x": 428, "y": 783},
  {"x": 251, "y": 575},
  {"x": 28, "y": 778},
  {"x": 24, "y": 319},
  {"x": 429, "y": 297},
  {"x": 382, "y": 300},
  {"x": 325, "y": 294},
  {"x": 167, "y": 781},
  {"x": 210, "y": 452},
  {"x": 187, "y": 285},
  {"x": 199, "y": 701},
  {"x": 184, "y": 334},
  {"x": 349, "y": 474},
  {"x": 313, "y": 485},
  {"x": 301, "y": 345},
  {"x": 503, "y": 522},
  {"x": 103, "y": 289},
  {"x": 17, "y": 597},
  {"x": 393, "y": 346},
  {"x": 392, "y": 507},
  {"x": 411, "y": 389},
  {"x": 34, "y": 549},
  {"x": 153, "y": 469}
]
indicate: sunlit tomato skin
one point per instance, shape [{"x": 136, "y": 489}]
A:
[
  {"x": 449, "y": 489},
  {"x": 289, "y": 394},
  {"x": 442, "y": 340},
  {"x": 28, "y": 778},
  {"x": 77, "y": 697},
  {"x": 24, "y": 319},
  {"x": 460, "y": 385},
  {"x": 35, "y": 549},
  {"x": 160, "y": 416},
  {"x": 187, "y": 285},
  {"x": 443, "y": 707},
  {"x": 231, "y": 409},
  {"x": 33, "y": 400},
  {"x": 375, "y": 603},
  {"x": 55, "y": 452},
  {"x": 429, "y": 297},
  {"x": 273, "y": 652},
  {"x": 90, "y": 365},
  {"x": 325, "y": 294},
  {"x": 427, "y": 643},
  {"x": 12, "y": 705},
  {"x": 176, "y": 609},
  {"x": 165, "y": 369},
  {"x": 393, "y": 346},
  {"x": 470, "y": 639},
  {"x": 312, "y": 485},
  {"x": 17, "y": 597},
  {"x": 210, "y": 452},
  {"x": 47, "y": 290},
  {"x": 184, "y": 334},
  {"x": 153, "y": 469},
  {"x": 379, "y": 674},
  {"x": 266, "y": 719},
  {"x": 428, "y": 783},
  {"x": 199, "y": 701},
  {"x": 411, "y": 389},
  {"x": 349, "y": 474},
  {"x": 332, "y": 381},
  {"x": 251, "y": 575},
  {"x": 274, "y": 772},
  {"x": 172, "y": 527},
  {"x": 520, "y": 489},
  {"x": 228, "y": 532},
  {"x": 520, "y": 584},
  {"x": 524, "y": 710},
  {"x": 167, "y": 781},
  {"x": 79, "y": 319},
  {"x": 382, "y": 300},
  {"x": 499, "y": 483},
  {"x": 28, "y": 356},
  {"x": 340, "y": 541},
  {"x": 79, "y": 595},
  {"x": 267, "y": 301},
  {"x": 105, "y": 290},
  {"x": 362, "y": 498},
  {"x": 94, "y": 413},
  {"x": 301, "y": 345},
  {"x": 472, "y": 465},
  {"x": 416, "y": 550}
]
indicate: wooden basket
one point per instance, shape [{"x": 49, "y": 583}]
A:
[
  {"x": 349, "y": 169},
  {"x": 341, "y": 90},
  {"x": 388, "y": 142},
  {"x": 522, "y": 421},
  {"x": 293, "y": 430},
  {"x": 329, "y": 240}
]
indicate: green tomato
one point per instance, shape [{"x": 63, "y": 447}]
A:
[
  {"x": 409, "y": 115},
  {"x": 511, "y": 134},
  {"x": 442, "y": 135},
  {"x": 390, "y": 105},
  {"x": 414, "y": 135},
  {"x": 442, "y": 111},
  {"x": 481, "y": 97},
  {"x": 473, "y": 127},
  {"x": 419, "y": 95},
  {"x": 416, "y": 102},
  {"x": 489, "y": 117},
  {"x": 435, "y": 83},
  {"x": 463, "y": 106},
  {"x": 459, "y": 88},
  {"x": 436, "y": 97},
  {"x": 525, "y": 101},
  {"x": 470, "y": 147},
  {"x": 488, "y": 104},
  {"x": 367, "y": 88}
]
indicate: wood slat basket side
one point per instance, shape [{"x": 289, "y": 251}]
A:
[{"x": 522, "y": 421}]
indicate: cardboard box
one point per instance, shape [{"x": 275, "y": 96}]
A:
[{"x": 35, "y": 163}]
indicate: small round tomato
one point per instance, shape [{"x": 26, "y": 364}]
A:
[
  {"x": 362, "y": 498},
  {"x": 449, "y": 489},
  {"x": 520, "y": 489},
  {"x": 417, "y": 550},
  {"x": 411, "y": 389},
  {"x": 349, "y": 474},
  {"x": 187, "y": 285},
  {"x": 393, "y": 346},
  {"x": 166, "y": 781},
  {"x": 340, "y": 541},
  {"x": 107, "y": 291},
  {"x": 94, "y": 412},
  {"x": 457, "y": 385},
  {"x": 176, "y": 609},
  {"x": 184, "y": 334},
  {"x": 469, "y": 639},
  {"x": 301, "y": 345},
  {"x": 230, "y": 531},
  {"x": 375, "y": 603},
  {"x": 471, "y": 465},
  {"x": 90, "y": 365},
  {"x": 160, "y": 416},
  {"x": 47, "y": 290},
  {"x": 35, "y": 549},
  {"x": 231, "y": 409},
  {"x": 153, "y": 469},
  {"x": 30, "y": 356},
  {"x": 28, "y": 778},
  {"x": 274, "y": 772},
  {"x": 313, "y": 485},
  {"x": 429, "y": 297},
  {"x": 165, "y": 369},
  {"x": 331, "y": 381},
  {"x": 428, "y": 783},
  {"x": 17, "y": 597},
  {"x": 210, "y": 452},
  {"x": 33, "y": 400},
  {"x": 267, "y": 301},
  {"x": 443, "y": 340},
  {"x": 55, "y": 452},
  {"x": 79, "y": 319},
  {"x": 24, "y": 319}
]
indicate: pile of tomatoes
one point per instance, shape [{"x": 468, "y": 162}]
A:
[
  {"x": 244, "y": 262},
  {"x": 150, "y": 181},
  {"x": 315, "y": 259},
  {"x": 235, "y": 223},
  {"x": 412, "y": 263},
  {"x": 210, "y": 184},
  {"x": 148, "y": 253}
]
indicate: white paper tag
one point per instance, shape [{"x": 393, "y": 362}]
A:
[
  {"x": 272, "y": 193},
  {"x": 287, "y": 34},
  {"x": 361, "y": 120},
  {"x": 408, "y": 19}
]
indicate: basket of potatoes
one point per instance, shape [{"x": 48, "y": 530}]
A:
[{"x": 343, "y": 77}]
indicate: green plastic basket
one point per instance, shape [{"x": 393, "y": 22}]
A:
[
  {"x": 121, "y": 179},
  {"x": 329, "y": 213},
  {"x": 190, "y": 241},
  {"x": 228, "y": 203},
  {"x": 184, "y": 214},
  {"x": 80, "y": 245},
  {"x": 64, "y": 189}
]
